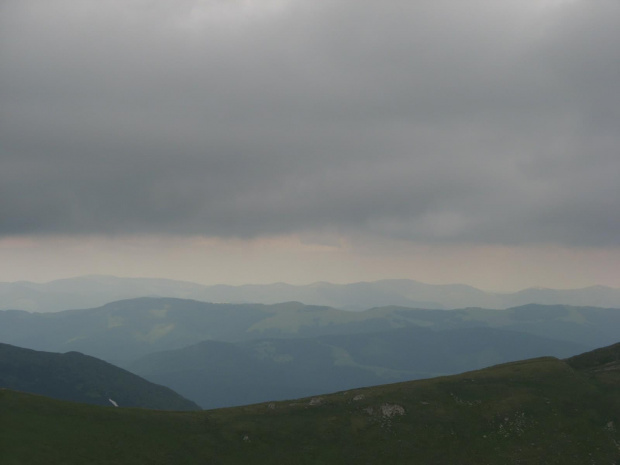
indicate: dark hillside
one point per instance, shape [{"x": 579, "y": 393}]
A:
[
  {"x": 598, "y": 360},
  {"x": 80, "y": 378}
]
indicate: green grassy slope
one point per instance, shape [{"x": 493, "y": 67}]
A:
[
  {"x": 531, "y": 412},
  {"x": 80, "y": 378}
]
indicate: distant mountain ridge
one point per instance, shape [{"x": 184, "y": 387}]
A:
[
  {"x": 230, "y": 354},
  {"x": 120, "y": 332},
  {"x": 95, "y": 290},
  {"x": 223, "y": 374}
]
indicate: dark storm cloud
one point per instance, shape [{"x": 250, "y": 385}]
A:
[{"x": 431, "y": 121}]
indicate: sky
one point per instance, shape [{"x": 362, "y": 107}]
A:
[{"x": 257, "y": 141}]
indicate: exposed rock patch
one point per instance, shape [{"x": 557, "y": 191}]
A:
[
  {"x": 392, "y": 410},
  {"x": 386, "y": 410}
]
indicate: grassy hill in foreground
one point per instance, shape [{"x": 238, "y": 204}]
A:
[
  {"x": 80, "y": 378},
  {"x": 536, "y": 411}
]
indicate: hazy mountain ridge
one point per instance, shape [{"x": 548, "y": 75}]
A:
[
  {"x": 261, "y": 352},
  {"x": 122, "y": 331},
  {"x": 541, "y": 410},
  {"x": 221, "y": 374},
  {"x": 81, "y": 378},
  {"x": 92, "y": 291}
]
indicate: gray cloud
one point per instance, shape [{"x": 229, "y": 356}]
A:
[{"x": 430, "y": 121}]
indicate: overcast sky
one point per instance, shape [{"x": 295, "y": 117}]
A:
[{"x": 303, "y": 140}]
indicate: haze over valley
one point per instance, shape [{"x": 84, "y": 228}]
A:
[{"x": 233, "y": 354}]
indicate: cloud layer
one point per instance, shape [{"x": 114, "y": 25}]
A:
[{"x": 430, "y": 121}]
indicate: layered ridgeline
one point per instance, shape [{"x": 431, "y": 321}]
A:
[
  {"x": 227, "y": 354},
  {"x": 126, "y": 330},
  {"x": 541, "y": 410},
  {"x": 93, "y": 291},
  {"x": 221, "y": 374},
  {"x": 80, "y": 378}
]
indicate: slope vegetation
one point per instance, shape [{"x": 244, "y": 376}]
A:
[{"x": 542, "y": 410}]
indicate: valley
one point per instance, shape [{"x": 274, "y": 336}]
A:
[{"x": 211, "y": 353}]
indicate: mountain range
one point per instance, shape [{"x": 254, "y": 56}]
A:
[
  {"x": 95, "y": 290},
  {"x": 126, "y": 330},
  {"x": 222, "y": 374},
  {"x": 233, "y": 354}
]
